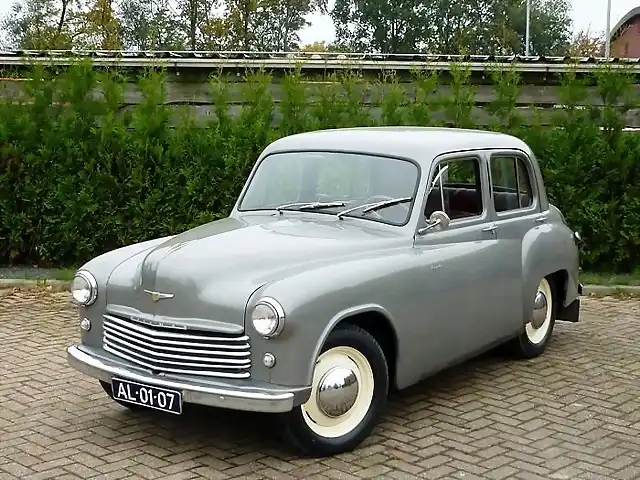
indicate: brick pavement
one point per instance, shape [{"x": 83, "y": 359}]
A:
[{"x": 573, "y": 413}]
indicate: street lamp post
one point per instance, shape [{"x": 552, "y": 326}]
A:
[
  {"x": 607, "y": 45},
  {"x": 526, "y": 46}
]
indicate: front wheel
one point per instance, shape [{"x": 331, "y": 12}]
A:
[
  {"x": 348, "y": 396},
  {"x": 535, "y": 337}
]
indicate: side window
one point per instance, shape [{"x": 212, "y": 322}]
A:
[
  {"x": 510, "y": 184},
  {"x": 459, "y": 194}
]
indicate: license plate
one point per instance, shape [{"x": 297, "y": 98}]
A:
[{"x": 147, "y": 395}]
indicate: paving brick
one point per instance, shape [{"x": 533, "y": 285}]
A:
[{"x": 573, "y": 413}]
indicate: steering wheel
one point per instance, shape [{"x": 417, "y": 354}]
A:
[{"x": 382, "y": 198}]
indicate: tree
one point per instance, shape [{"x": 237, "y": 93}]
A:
[
  {"x": 550, "y": 26},
  {"x": 40, "y": 24},
  {"x": 447, "y": 27},
  {"x": 197, "y": 17},
  {"x": 315, "y": 47},
  {"x": 101, "y": 29},
  {"x": 277, "y": 23},
  {"x": 466, "y": 26},
  {"x": 586, "y": 44},
  {"x": 150, "y": 25},
  {"x": 386, "y": 26},
  {"x": 267, "y": 24},
  {"x": 320, "y": 47}
]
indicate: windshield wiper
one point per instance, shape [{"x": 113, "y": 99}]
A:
[
  {"x": 370, "y": 207},
  {"x": 309, "y": 205}
]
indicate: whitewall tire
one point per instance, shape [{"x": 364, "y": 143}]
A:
[
  {"x": 537, "y": 332},
  {"x": 348, "y": 395}
]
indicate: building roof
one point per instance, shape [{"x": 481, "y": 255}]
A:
[
  {"x": 213, "y": 60},
  {"x": 630, "y": 15},
  {"x": 418, "y": 143}
]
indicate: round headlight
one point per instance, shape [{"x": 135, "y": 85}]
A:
[
  {"x": 84, "y": 288},
  {"x": 268, "y": 317}
]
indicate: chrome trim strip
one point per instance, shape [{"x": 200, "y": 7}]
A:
[
  {"x": 230, "y": 397},
  {"x": 141, "y": 343},
  {"x": 93, "y": 285},
  {"x": 190, "y": 360},
  {"x": 162, "y": 342},
  {"x": 153, "y": 333},
  {"x": 203, "y": 373}
]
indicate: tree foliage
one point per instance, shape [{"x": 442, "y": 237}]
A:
[
  {"x": 41, "y": 24},
  {"x": 387, "y": 26},
  {"x": 550, "y": 26},
  {"x": 446, "y": 27},
  {"x": 586, "y": 44},
  {"x": 149, "y": 25}
]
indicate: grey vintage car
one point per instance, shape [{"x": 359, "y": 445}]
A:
[{"x": 355, "y": 261}]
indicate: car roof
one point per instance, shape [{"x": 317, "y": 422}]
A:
[{"x": 421, "y": 144}]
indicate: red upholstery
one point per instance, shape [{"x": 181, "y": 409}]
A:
[{"x": 466, "y": 202}]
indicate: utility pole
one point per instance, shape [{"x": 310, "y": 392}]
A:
[
  {"x": 527, "y": 39},
  {"x": 607, "y": 45}
]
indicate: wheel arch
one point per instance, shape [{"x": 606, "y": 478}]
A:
[
  {"x": 559, "y": 280},
  {"x": 376, "y": 321}
]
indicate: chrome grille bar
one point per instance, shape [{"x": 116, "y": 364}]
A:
[{"x": 195, "y": 352}]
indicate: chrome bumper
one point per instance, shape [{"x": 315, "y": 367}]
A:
[{"x": 231, "y": 397}]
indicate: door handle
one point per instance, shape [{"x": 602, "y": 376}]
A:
[
  {"x": 541, "y": 219},
  {"x": 490, "y": 228}
]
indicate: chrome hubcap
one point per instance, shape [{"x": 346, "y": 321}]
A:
[
  {"x": 539, "y": 310},
  {"x": 337, "y": 391}
]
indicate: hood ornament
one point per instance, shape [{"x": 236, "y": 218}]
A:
[{"x": 157, "y": 296}]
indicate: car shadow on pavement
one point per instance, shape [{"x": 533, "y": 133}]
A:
[{"x": 226, "y": 433}]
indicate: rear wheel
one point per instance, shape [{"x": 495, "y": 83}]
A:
[
  {"x": 536, "y": 334},
  {"x": 349, "y": 394}
]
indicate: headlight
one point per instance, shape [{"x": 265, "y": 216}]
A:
[
  {"x": 84, "y": 288},
  {"x": 268, "y": 317}
]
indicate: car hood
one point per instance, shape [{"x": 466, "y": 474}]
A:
[{"x": 213, "y": 269}]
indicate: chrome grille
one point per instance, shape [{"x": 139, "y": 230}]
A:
[{"x": 194, "y": 352}]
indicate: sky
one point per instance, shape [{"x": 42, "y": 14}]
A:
[{"x": 586, "y": 14}]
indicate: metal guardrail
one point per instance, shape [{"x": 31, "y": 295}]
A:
[{"x": 313, "y": 60}]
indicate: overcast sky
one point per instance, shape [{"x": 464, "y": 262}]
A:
[{"x": 586, "y": 13}]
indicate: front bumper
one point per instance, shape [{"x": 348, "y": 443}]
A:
[{"x": 232, "y": 397}]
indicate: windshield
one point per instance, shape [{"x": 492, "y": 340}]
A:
[{"x": 332, "y": 182}]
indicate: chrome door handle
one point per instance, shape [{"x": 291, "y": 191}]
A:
[
  {"x": 491, "y": 228},
  {"x": 541, "y": 219}
]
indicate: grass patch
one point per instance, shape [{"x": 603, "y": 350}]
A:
[
  {"x": 64, "y": 274},
  {"x": 608, "y": 279}
]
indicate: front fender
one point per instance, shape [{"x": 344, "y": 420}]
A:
[
  {"x": 340, "y": 316},
  {"x": 315, "y": 301},
  {"x": 102, "y": 267}
]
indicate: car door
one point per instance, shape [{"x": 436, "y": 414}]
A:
[
  {"x": 515, "y": 200},
  {"x": 462, "y": 269}
]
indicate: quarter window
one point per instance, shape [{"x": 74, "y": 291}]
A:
[
  {"x": 510, "y": 184},
  {"x": 459, "y": 194}
]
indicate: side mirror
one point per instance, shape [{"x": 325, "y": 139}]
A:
[{"x": 437, "y": 219}]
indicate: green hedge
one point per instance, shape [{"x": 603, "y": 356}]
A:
[{"x": 80, "y": 176}]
